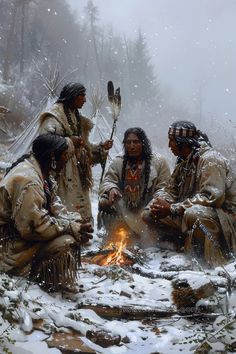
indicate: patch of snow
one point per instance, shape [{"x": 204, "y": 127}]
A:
[{"x": 36, "y": 347}]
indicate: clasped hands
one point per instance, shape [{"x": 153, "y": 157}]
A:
[{"x": 159, "y": 208}]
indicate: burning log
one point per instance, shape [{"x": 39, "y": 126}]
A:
[
  {"x": 117, "y": 250},
  {"x": 109, "y": 257},
  {"x": 113, "y": 256}
]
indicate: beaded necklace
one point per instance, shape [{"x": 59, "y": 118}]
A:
[{"x": 133, "y": 184}]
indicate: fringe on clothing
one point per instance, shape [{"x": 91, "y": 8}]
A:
[
  {"x": 59, "y": 271},
  {"x": 207, "y": 246},
  {"x": 84, "y": 168},
  {"x": 132, "y": 196},
  {"x": 8, "y": 233}
]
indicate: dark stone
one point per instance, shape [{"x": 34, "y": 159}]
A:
[
  {"x": 125, "y": 340},
  {"x": 103, "y": 338},
  {"x": 123, "y": 293}
]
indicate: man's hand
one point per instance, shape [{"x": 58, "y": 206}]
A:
[
  {"x": 77, "y": 140},
  {"x": 160, "y": 208},
  {"x": 107, "y": 145},
  {"x": 114, "y": 195},
  {"x": 86, "y": 231}
]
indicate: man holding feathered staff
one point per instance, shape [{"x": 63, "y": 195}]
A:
[{"x": 63, "y": 118}]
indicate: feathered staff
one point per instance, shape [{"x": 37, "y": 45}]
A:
[{"x": 114, "y": 99}]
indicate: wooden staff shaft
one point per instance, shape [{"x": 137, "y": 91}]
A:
[{"x": 105, "y": 162}]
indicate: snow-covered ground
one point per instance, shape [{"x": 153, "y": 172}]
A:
[
  {"x": 143, "y": 287},
  {"x": 148, "y": 322}
]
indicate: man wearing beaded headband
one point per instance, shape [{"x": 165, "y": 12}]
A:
[
  {"x": 199, "y": 202},
  {"x": 64, "y": 119}
]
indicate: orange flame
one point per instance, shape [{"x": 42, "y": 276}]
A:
[
  {"x": 119, "y": 244},
  {"x": 116, "y": 244}
]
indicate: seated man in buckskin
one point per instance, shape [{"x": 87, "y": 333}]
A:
[
  {"x": 39, "y": 238},
  {"x": 199, "y": 202},
  {"x": 131, "y": 181}
]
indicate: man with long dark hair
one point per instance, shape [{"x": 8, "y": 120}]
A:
[
  {"x": 63, "y": 118},
  {"x": 39, "y": 238},
  {"x": 199, "y": 201},
  {"x": 132, "y": 180}
]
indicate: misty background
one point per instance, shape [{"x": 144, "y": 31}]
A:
[{"x": 171, "y": 59}]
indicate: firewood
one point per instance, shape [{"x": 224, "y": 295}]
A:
[{"x": 129, "y": 312}]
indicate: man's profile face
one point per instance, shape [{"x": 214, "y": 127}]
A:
[
  {"x": 79, "y": 101},
  {"x": 174, "y": 146},
  {"x": 133, "y": 146}
]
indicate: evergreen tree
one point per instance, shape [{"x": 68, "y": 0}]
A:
[
  {"x": 46, "y": 35},
  {"x": 143, "y": 81}
]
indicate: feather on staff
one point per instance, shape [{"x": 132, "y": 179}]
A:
[{"x": 114, "y": 99}]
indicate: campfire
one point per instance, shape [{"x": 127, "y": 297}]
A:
[{"x": 115, "y": 249}]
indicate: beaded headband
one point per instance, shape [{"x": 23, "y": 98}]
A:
[{"x": 186, "y": 132}]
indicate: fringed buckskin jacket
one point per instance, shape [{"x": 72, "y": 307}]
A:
[
  {"x": 159, "y": 175},
  {"x": 206, "y": 179},
  {"x": 23, "y": 207},
  {"x": 71, "y": 189}
]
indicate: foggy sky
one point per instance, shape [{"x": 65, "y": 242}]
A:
[{"x": 192, "y": 46}]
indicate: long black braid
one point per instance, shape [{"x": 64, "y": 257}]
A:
[
  {"x": 76, "y": 129},
  {"x": 21, "y": 159},
  {"x": 146, "y": 156}
]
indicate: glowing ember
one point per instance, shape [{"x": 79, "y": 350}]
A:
[{"x": 116, "y": 244}]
